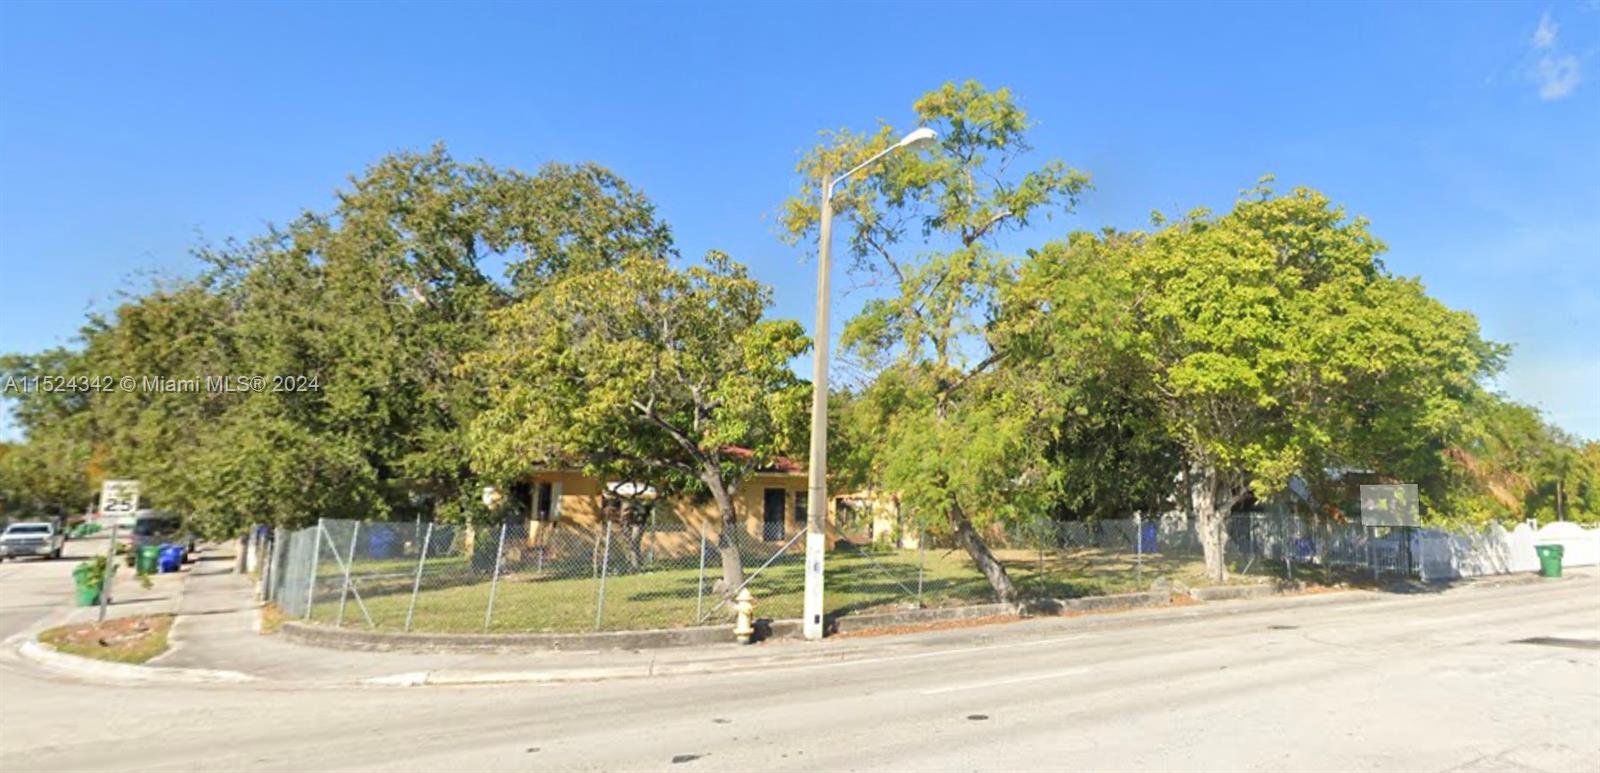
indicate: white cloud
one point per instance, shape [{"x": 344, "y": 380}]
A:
[
  {"x": 1556, "y": 72},
  {"x": 1557, "y": 76},
  {"x": 1545, "y": 35}
]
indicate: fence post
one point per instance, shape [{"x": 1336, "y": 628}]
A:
[
  {"x": 1290, "y": 550},
  {"x": 280, "y": 575},
  {"x": 416, "y": 584},
  {"x": 1327, "y": 562},
  {"x": 349, "y": 564},
  {"x": 651, "y": 536},
  {"x": 311, "y": 584},
  {"x": 1138, "y": 549},
  {"x": 600, "y": 597},
  {"x": 1039, "y": 569},
  {"x": 922, "y": 554},
  {"x": 1372, "y": 556},
  {"x": 494, "y": 582},
  {"x": 269, "y": 570},
  {"x": 263, "y": 566},
  {"x": 700, "y": 588}
]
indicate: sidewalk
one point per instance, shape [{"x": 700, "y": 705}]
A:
[
  {"x": 129, "y": 598},
  {"x": 217, "y": 614},
  {"x": 216, "y": 631}
]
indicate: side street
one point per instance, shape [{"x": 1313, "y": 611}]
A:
[{"x": 1520, "y": 637}]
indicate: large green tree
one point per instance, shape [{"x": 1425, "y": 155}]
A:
[
  {"x": 380, "y": 299},
  {"x": 1270, "y": 340},
  {"x": 1506, "y": 463},
  {"x": 365, "y": 311},
  {"x": 928, "y": 224},
  {"x": 53, "y": 470},
  {"x": 642, "y": 371}
]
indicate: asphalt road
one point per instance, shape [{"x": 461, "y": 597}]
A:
[
  {"x": 30, "y": 588},
  {"x": 1428, "y": 682}
]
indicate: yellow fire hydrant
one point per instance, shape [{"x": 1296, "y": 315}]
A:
[{"x": 743, "y": 627}]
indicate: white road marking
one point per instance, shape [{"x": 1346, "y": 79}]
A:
[
  {"x": 1006, "y": 681},
  {"x": 934, "y": 654}
]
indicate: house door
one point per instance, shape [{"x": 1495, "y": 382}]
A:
[{"x": 772, "y": 514}]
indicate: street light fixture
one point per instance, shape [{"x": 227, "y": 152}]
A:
[{"x": 817, "y": 494}]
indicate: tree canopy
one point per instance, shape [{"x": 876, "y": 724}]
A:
[
  {"x": 644, "y": 372},
  {"x": 1270, "y": 342},
  {"x": 927, "y": 223},
  {"x": 363, "y": 313}
]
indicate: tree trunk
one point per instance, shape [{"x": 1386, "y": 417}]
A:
[
  {"x": 991, "y": 567},
  {"x": 1213, "y": 500},
  {"x": 633, "y": 528},
  {"x": 634, "y": 534},
  {"x": 727, "y": 535}
]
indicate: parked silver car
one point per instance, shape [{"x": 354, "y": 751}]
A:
[{"x": 31, "y": 539}]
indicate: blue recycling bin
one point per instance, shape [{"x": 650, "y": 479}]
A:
[
  {"x": 383, "y": 543},
  {"x": 1147, "y": 538},
  {"x": 1304, "y": 548},
  {"x": 170, "y": 558}
]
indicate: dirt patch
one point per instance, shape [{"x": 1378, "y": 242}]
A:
[
  {"x": 1313, "y": 589},
  {"x": 272, "y": 618},
  {"x": 942, "y": 625},
  {"x": 122, "y": 640}
]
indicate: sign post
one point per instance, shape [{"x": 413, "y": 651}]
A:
[
  {"x": 1392, "y": 505},
  {"x": 117, "y": 499}
]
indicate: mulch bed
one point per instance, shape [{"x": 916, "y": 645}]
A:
[{"x": 123, "y": 640}]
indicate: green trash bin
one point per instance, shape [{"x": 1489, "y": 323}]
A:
[
  {"x": 1549, "y": 559},
  {"x": 149, "y": 561},
  {"x": 87, "y": 583}
]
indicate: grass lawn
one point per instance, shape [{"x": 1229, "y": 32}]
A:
[
  {"x": 857, "y": 582},
  {"x": 121, "y": 640}
]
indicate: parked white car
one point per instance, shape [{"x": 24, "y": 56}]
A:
[{"x": 31, "y": 539}]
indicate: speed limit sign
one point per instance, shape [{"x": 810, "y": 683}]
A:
[{"x": 119, "y": 499}]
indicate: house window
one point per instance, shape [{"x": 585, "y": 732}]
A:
[
  {"x": 515, "y": 512},
  {"x": 544, "y": 506},
  {"x": 772, "y": 514},
  {"x": 799, "y": 510}
]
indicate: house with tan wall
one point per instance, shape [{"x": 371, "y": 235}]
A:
[
  {"x": 770, "y": 503},
  {"x": 874, "y": 516}
]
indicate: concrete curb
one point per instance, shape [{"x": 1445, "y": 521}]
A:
[
  {"x": 125, "y": 673},
  {"x": 315, "y": 635},
  {"x": 387, "y": 641},
  {"x": 130, "y": 674},
  {"x": 1111, "y": 602},
  {"x": 854, "y": 623},
  {"x": 1235, "y": 592}
]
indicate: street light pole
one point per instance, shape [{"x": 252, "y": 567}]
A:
[{"x": 817, "y": 470}]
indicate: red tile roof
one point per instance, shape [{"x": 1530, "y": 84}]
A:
[{"x": 776, "y": 464}]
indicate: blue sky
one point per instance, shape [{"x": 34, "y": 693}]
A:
[{"x": 1469, "y": 134}]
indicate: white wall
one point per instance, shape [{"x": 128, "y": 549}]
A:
[{"x": 1498, "y": 551}]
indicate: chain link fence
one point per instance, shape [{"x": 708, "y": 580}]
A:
[
  {"x": 911, "y": 568},
  {"x": 526, "y": 578},
  {"x": 560, "y": 577}
]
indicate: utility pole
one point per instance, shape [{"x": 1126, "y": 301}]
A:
[{"x": 817, "y": 469}]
